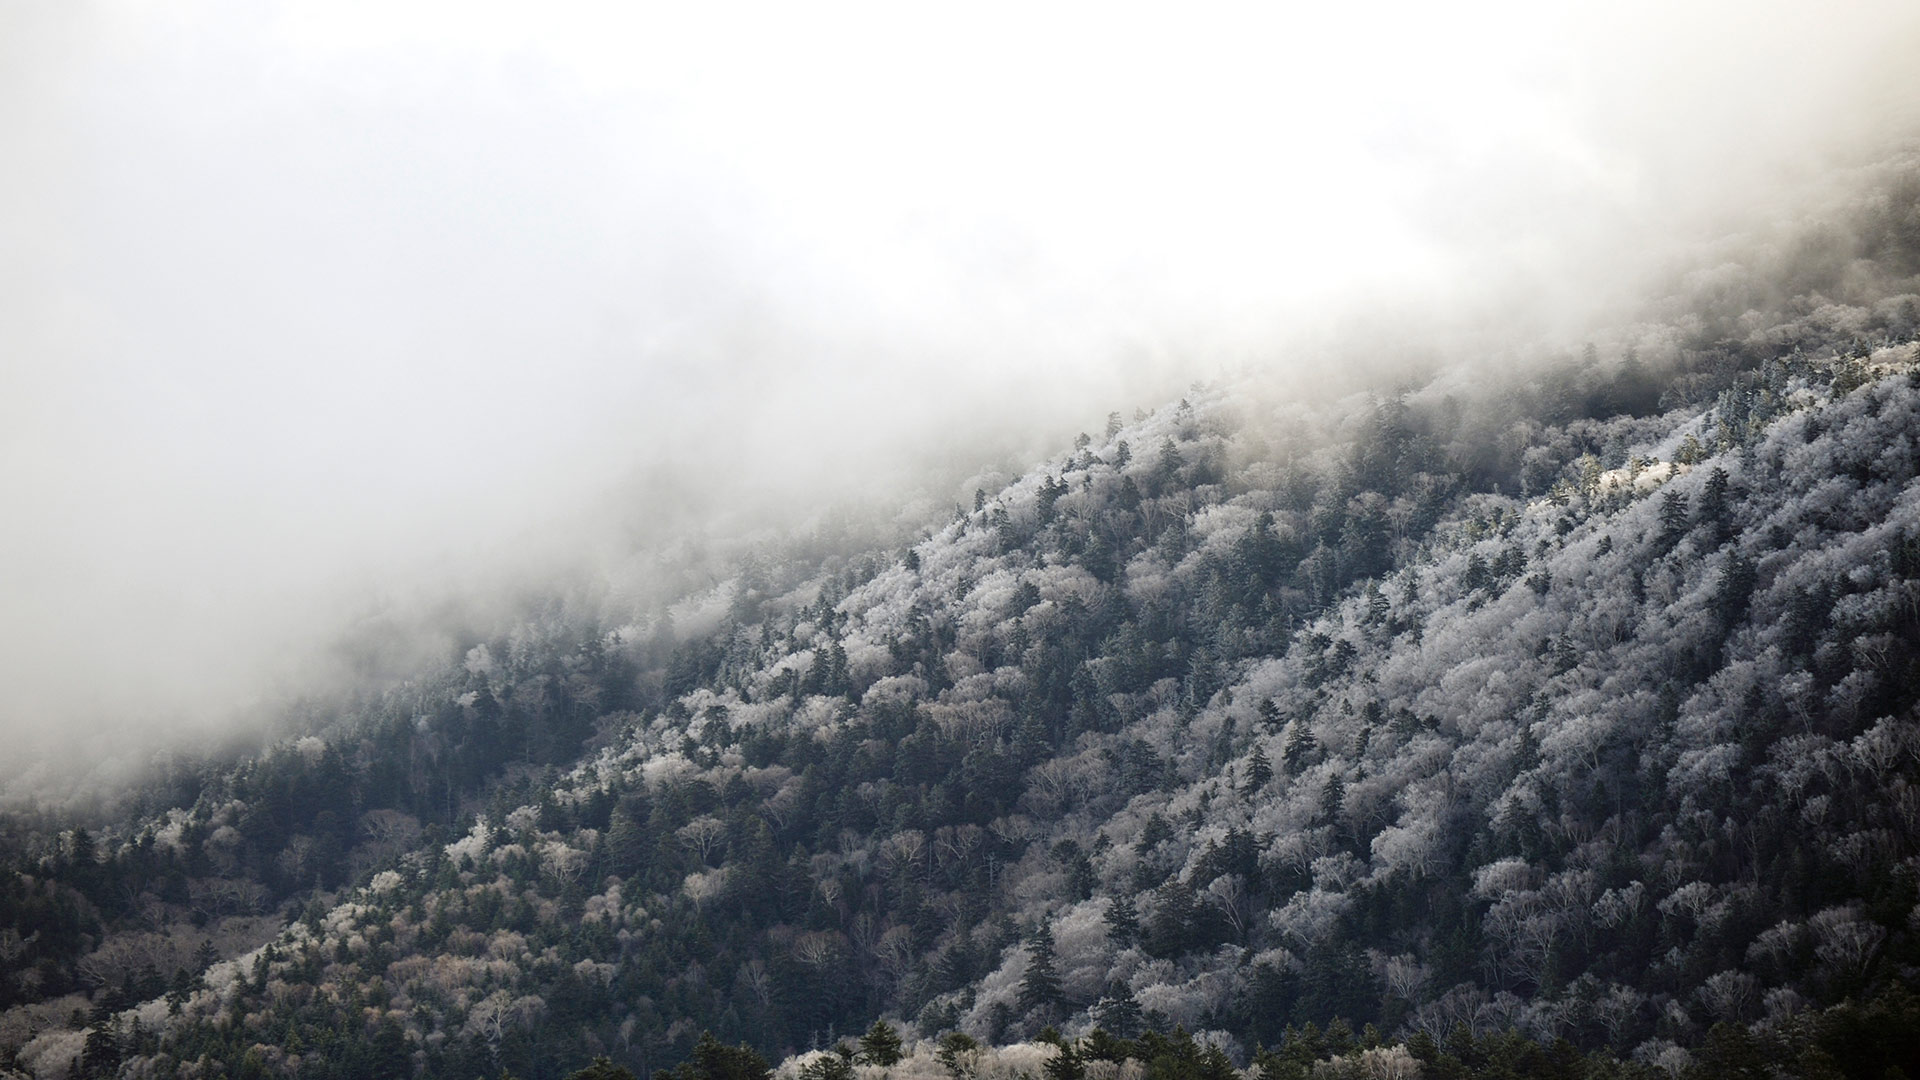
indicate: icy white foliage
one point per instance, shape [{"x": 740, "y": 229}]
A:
[
  {"x": 1082, "y": 950},
  {"x": 705, "y": 886},
  {"x": 1497, "y": 879},
  {"x": 1185, "y": 1001},
  {"x": 53, "y": 1055},
  {"x": 663, "y": 769},
  {"x": 474, "y": 844},
  {"x": 1378, "y": 1063},
  {"x": 1309, "y": 916},
  {"x": 1664, "y": 1054}
]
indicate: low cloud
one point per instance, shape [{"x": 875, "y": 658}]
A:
[{"x": 310, "y": 306}]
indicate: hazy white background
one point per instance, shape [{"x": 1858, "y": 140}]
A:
[{"x": 306, "y": 304}]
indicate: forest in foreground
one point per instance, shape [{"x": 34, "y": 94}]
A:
[{"x": 1558, "y": 721}]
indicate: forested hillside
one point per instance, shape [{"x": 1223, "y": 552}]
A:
[{"x": 1564, "y": 712}]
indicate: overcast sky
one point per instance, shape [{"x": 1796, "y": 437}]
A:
[{"x": 304, "y": 302}]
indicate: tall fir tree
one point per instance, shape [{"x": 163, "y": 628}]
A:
[
  {"x": 1040, "y": 986},
  {"x": 1123, "y": 921},
  {"x": 1259, "y": 771},
  {"x": 1118, "y": 1013},
  {"x": 880, "y": 1045}
]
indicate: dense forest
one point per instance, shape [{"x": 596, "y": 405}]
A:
[{"x": 1555, "y": 722}]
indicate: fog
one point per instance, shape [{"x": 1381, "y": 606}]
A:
[{"x": 311, "y": 308}]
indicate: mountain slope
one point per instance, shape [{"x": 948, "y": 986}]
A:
[{"x": 1582, "y": 703}]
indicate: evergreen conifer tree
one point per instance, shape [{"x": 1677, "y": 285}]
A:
[
  {"x": 1259, "y": 771},
  {"x": 1118, "y": 1013},
  {"x": 880, "y": 1045},
  {"x": 601, "y": 1068},
  {"x": 1123, "y": 922},
  {"x": 1040, "y": 986}
]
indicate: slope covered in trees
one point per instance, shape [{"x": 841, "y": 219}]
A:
[{"x": 1579, "y": 704}]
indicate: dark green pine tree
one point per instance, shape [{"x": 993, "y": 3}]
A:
[
  {"x": 1123, "y": 922},
  {"x": 1674, "y": 515},
  {"x": 1153, "y": 832},
  {"x": 101, "y": 1056},
  {"x": 1712, "y": 511},
  {"x": 602, "y": 1069},
  {"x": 1333, "y": 797},
  {"x": 628, "y": 844},
  {"x": 715, "y": 1060},
  {"x": 1167, "y": 469},
  {"x": 1299, "y": 749},
  {"x": 1259, "y": 771},
  {"x": 880, "y": 1045},
  {"x": 1175, "y": 924},
  {"x": 1064, "y": 1064},
  {"x": 1040, "y": 986},
  {"x": 828, "y": 1066},
  {"x": 1733, "y": 591},
  {"x": 836, "y": 678},
  {"x": 85, "y": 854},
  {"x": 958, "y": 1053},
  {"x": 1118, "y": 1013}
]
